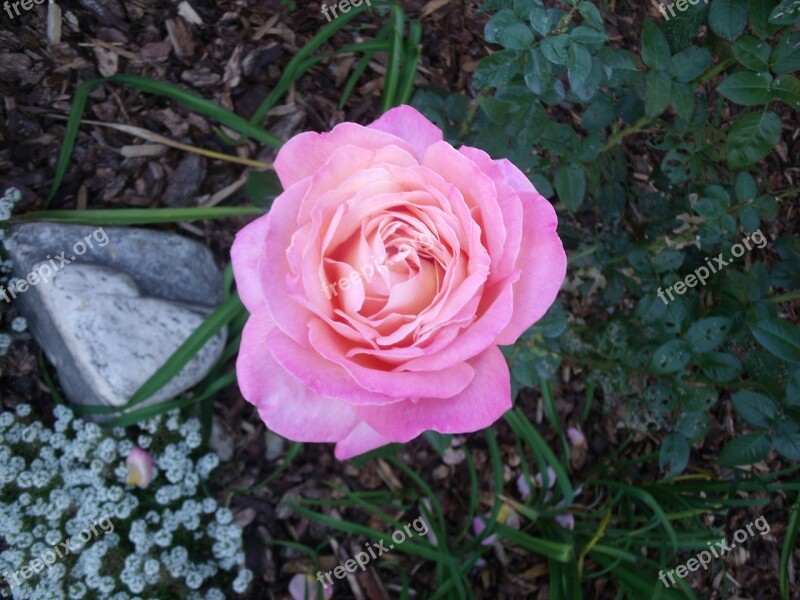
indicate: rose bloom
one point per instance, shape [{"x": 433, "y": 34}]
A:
[{"x": 382, "y": 281}]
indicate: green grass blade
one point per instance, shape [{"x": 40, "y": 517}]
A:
[
  {"x": 788, "y": 548},
  {"x": 392, "y": 79},
  {"x": 140, "y": 216}
]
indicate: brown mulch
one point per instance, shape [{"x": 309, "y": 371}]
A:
[{"x": 233, "y": 56}]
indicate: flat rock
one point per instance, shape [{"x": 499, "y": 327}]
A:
[{"x": 111, "y": 305}]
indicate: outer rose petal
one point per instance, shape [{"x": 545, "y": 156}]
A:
[
  {"x": 362, "y": 439},
  {"x": 543, "y": 263},
  {"x": 478, "y": 406},
  {"x": 409, "y": 124},
  {"x": 247, "y": 250},
  {"x": 304, "y": 154},
  {"x": 286, "y": 406}
]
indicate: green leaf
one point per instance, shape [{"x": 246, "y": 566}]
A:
[
  {"x": 598, "y": 115},
  {"x": 655, "y": 49},
  {"x": 780, "y": 337},
  {"x": 693, "y": 425},
  {"x": 496, "y": 70},
  {"x": 670, "y": 357},
  {"x": 674, "y": 454},
  {"x": 579, "y": 65},
  {"x": 659, "y": 86},
  {"x": 745, "y": 450},
  {"x": 688, "y": 64},
  {"x": 589, "y": 36},
  {"x": 752, "y": 137},
  {"x": 538, "y": 72},
  {"x": 540, "y": 19},
  {"x": 591, "y": 16},
  {"x": 728, "y": 18},
  {"x": 497, "y": 24},
  {"x": 708, "y": 334},
  {"x": 745, "y": 186},
  {"x": 517, "y": 36},
  {"x": 719, "y": 366},
  {"x": 786, "y": 57},
  {"x": 759, "y": 17},
  {"x": 793, "y": 389},
  {"x": 748, "y": 217},
  {"x": 262, "y": 188},
  {"x": 439, "y": 441},
  {"x": 786, "y": 13},
  {"x": 747, "y": 88},
  {"x": 786, "y": 438},
  {"x": 554, "y": 49},
  {"x": 756, "y": 409},
  {"x": 752, "y": 52},
  {"x": 787, "y": 88},
  {"x": 683, "y": 100},
  {"x": 571, "y": 185}
]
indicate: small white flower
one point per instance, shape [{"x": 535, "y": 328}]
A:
[{"x": 19, "y": 324}]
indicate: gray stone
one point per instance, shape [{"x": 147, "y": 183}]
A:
[{"x": 109, "y": 316}]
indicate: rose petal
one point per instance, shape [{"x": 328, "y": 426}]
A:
[
  {"x": 483, "y": 402},
  {"x": 407, "y": 123},
  {"x": 286, "y": 406},
  {"x": 543, "y": 263},
  {"x": 362, "y": 439},
  {"x": 246, "y": 251}
]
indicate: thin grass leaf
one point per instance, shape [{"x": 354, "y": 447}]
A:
[
  {"x": 788, "y": 548},
  {"x": 139, "y": 216},
  {"x": 392, "y": 78},
  {"x": 410, "y": 62}
]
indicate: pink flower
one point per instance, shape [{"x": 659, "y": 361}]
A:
[
  {"x": 304, "y": 587},
  {"x": 506, "y": 516},
  {"x": 140, "y": 468},
  {"x": 382, "y": 281}
]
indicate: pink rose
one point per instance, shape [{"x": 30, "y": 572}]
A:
[{"x": 382, "y": 281}]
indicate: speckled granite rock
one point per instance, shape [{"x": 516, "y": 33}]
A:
[{"x": 109, "y": 315}]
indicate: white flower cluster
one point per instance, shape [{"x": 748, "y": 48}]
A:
[
  {"x": 167, "y": 536},
  {"x": 7, "y": 202}
]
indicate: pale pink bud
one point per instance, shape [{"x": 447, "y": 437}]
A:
[
  {"x": 304, "y": 586},
  {"x": 140, "y": 468},
  {"x": 567, "y": 521},
  {"x": 551, "y": 478},
  {"x": 478, "y": 526},
  {"x": 576, "y": 438}
]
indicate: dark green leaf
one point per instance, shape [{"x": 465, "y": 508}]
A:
[
  {"x": 588, "y": 36},
  {"x": 748, "y": 217},
  {"x": 571, "y": 185},
  {"x": 728, "y": 18},
  {"x": 688, "y": 64},
  {"x": 752, "y": 137},
  {"x": 655, "y": 49},
  {"x": 759, "y": 17},
  {"x": 538, "y": 72},
  {"x": 756, "y": 409},
  {"x": 720, "y": 366},
  {"x": 554, "y": 49},
  {"x": 745, "y": 186},
  {"x": 496, "y": 70},
  {"x": 708, "y": 334},
  {"x": 670, "y": 357},
  {"x": 786, "y": 57},
  {"x": 745, "y": 450},
  {"x": 517, "y": 36},
  {"x": 497, "y": 24},
  {"x": 693, "y": 425},
  {"x": 752, "y": 52},
  {"x": 658, "y": 93},
  {"x": 591, "y": 16},
  {"x": 674, "y": 454},
  {"x": 683, "y": 100},
  {"x": 786, "y": 438},
  {"x": 540, "y": 19},
  {"x": 579, "y": 64},
  {"x": 786, "y": 13},
  {"x": 599, "y": 114},
  {"x": 787, "y": 88},
  {"x": 780, "y": 337},
  {"x": 747, "y": 88},
  {"x": 262, "y": 188},
  {"x": 793, "y": 388}
]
